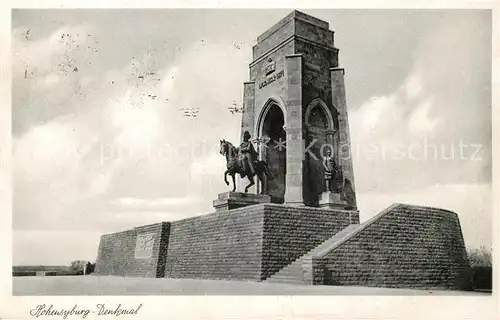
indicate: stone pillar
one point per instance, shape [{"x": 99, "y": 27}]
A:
[
  {"x": 248, "y": 116},
  {"x": 344, "y": 153},
  {"x": 247, "y": 124},
  {"x": 294, "y": 140}
]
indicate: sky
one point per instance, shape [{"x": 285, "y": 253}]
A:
[{"x": 102, "y": 143}]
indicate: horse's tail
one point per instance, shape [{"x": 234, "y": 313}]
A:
[{"x": 267, "y": 171}]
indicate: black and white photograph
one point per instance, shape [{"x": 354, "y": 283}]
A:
[{"x": 250, "y": 152}]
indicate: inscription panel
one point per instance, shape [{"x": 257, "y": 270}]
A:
[
  {"x": 271, "y": 79},
  {"x": 144, "y": 245}
]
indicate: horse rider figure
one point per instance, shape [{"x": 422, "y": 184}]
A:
[{"x": 247, "y": 154}]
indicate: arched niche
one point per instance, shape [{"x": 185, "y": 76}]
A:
[
  {"x": 321, "y": 134},
  {"x": 271, "y": 132},
  {"x": 318, "y": 103},
  {"x": 274, "y": 101}
]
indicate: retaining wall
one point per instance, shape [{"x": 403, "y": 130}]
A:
[{"x": 404, "y": 246}]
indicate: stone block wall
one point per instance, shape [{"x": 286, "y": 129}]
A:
[
  {"x": 116, "y": 253},
  {"x": 314, "y": 32},
  {"x": 123, "y": 254},
  {"x": 271, "y": 40},
  {"x": 222, "y": 245},
  {"x": 290, "y": 232},
  {"x": 249, "y": 243},
  {"x": 404, "y": 246},
  {"x": 296, "y": 24}
]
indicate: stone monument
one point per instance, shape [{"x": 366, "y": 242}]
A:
[
  {"x": 295, "y": 106},
  {"x": 302, "y": 225}
]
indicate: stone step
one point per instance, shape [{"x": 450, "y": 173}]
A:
[
  {"x": 287, "y": 281},
  {"x": 332, "y": 240},
  {"x": 294, "y": 272},
  {"x": 291, "y": 273}
]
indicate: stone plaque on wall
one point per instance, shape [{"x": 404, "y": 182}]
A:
[{"x": 144, "y": 245}]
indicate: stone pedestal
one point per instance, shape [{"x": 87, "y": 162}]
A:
[
  {"x": 331, "y": 200},
  {"x": 233, "y": 200}
]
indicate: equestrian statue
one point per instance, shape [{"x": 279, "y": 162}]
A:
[{"x": 243, "y": 160}]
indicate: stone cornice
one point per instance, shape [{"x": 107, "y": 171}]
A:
[
  {"x": 285, "y": 42},
  {"x": 291, "y": 17}
]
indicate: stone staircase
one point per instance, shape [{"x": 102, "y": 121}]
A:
[{"x": 298, "y": 271}]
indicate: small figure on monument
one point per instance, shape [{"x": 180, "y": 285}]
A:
[
  {"x": 247, "y": 153},
  {"x": 329, "y": 164}
]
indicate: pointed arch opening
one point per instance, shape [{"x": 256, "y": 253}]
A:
[
  {"x": 321, "y": 136},
  {"x": 272, "y": 148}
]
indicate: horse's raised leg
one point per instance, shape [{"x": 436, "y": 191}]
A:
[
  {"x": 225, "y": 177},
  {"x": 234, "y": 182},
  {"x": 260, "y": 175},
  {"x": 252, "y": 182}
]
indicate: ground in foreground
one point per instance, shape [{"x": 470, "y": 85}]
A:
[{"x": 110, "y": 285}]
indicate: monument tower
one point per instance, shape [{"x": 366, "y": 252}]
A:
[{"x": 295, "y": 108}]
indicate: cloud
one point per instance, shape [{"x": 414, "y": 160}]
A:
[
  {"x": 419, "y": 122},
  {"x": 52, "y": 76},
  {"x": 430, "y": 138},
  {"x": 127, "y": 204},
  {"x": 375, "y": 115},
  {"x": 42, "y": 247},
  {"x": 213, "y": 163},
  {"x": 138, "y": 125},
  {"x": 416, "y": 133},
  {"x": 52, "y": 54},
  {"x": 412, "y": 86},
  {"x": 125, "y": 140}
]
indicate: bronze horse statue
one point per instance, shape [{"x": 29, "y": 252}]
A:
[{"x": 234, "y": 166}]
